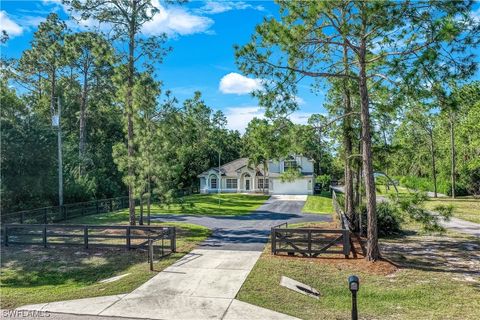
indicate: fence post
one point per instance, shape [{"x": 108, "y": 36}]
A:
[
  {"x": 22, "y": 217},
  {"x": 45, "y": 220},
  {"x": 85, "y": 236},
  {"x": 150, "y": 254},
  {"x": 111, "y": 205},
  {"x": 346, "y": 243},
  {"x": 6, "y": 236},
  {"x": 272, "y": 234},
  {"x": 173, "y": 240},
  {"x": 310, "y": 243},
  {"x": 64, "y": 212},
  {"x": 45, "y": 236},
  {"x": 96, "y": 206},
  {"x": 128, "y": 238}
]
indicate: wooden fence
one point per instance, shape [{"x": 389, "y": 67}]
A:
[
  {"x": 310, "y": 242},
  {"x": 342, "y": 219},
  {"x": 88, "y": 235},
  {"x": 61, "y": 213}
]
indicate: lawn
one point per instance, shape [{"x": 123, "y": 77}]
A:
[
  {"x": 466, "y": 208},
  {"x": 224, "y": 204},
  {"x": 321, "y": 203},
  {"x": 418, "y": 290},
  {"x": 32, "y": 275},
  {"x": 383, "y": 190}
]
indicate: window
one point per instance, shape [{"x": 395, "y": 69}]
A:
[
  {"x": 232, "y": 184},
  {"x": 261, "y": 185},
  {"x": 289, "y": 164},
  {"x": 213, "y": 183}
]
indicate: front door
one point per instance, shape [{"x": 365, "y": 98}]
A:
[{"x": 247, "y": 185}]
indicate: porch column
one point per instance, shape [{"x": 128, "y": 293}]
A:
[{"x": 239, "y": 185}]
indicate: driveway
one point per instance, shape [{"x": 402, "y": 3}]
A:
[
  {"x": 204, "y": 283},
  {"x": 249, "y": 232}
]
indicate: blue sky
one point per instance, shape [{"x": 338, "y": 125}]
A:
[{"x": 202, "y": 34}]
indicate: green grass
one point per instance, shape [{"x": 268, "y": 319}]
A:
[
  {"x": 382, "y": 190},
  {"x": 321, "y": 203},
  {"x": 414, "y": 292},
  {"x": 201, "y": 204},
  {"x": 466, "y": 208},
  {"x": 31, "y": 275}
]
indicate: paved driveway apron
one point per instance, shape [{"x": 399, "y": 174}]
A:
[{"x": 251, "y": 231}]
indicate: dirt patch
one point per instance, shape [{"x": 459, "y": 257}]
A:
[{"x": 458, "y": 256}]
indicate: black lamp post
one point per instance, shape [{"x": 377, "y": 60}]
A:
[{"x": 354, "y": 285}]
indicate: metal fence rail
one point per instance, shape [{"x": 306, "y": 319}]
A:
[
  {"x": 60, "y": 213},
  {"x": 87, "y": 235},
  {"x": 310, "y": 242}
]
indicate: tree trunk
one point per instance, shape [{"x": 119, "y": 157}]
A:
[
  {"x": 140, "y": 221},
  {"x": 83, "y": 124},
  {"x": 149, "y": 199},
  {"x": 265, "y": 175},
  {"x": 434, "y": 171},
  {"x": 373, "y": 252},
  {"x": 358, "y": 197},
  {"x": 129, "y": 109},
  {"x": 347, "y": 145},
  {"x": 452, "y": 152}
]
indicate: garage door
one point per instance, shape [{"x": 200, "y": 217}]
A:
[{"x": 299, "y": 186}]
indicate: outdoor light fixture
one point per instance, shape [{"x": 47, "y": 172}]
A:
[{"x": 354, "y": 285}]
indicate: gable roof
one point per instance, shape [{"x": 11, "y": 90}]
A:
[{"x": 229, "y": 169}]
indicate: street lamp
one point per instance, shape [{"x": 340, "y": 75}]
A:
[{"x": 354, "y": 285}]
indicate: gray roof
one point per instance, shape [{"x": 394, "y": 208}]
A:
[{"x": 229, "y": 169}]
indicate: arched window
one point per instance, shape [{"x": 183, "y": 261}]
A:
[
  {"x": 247, "y": 175},
  {"x": 213, "y": 182}
]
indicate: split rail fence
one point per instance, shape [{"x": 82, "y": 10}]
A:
[{"x": 129, "y": 237}]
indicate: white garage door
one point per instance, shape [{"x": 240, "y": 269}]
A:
[{"x": 299, "y": 186}]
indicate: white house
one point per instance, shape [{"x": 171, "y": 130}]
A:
[{"x": 238, "y": 176}]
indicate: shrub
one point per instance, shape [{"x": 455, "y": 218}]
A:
[
  {"x": 389, "y": 219},
  {"x": 323, "y": 180}
]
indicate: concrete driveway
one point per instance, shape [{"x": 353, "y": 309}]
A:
[
  {"x": 200, "y": 286},
  {"x": 249, "y": 232}
]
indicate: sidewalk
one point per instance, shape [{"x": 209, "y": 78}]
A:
[{"x": 201, "y": 285}]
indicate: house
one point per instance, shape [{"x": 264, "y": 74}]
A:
[{"x": 239, "y": 176}]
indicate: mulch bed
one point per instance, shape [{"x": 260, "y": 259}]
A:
[{"x": 380, "y": 267}]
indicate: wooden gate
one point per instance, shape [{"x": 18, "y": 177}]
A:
[{"x": 310, "y": 242}]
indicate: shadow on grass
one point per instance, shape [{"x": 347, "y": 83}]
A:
[
  {"x": 31, "y": 266},
  {"x": 435, "y": 254}
]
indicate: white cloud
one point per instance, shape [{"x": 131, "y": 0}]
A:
[
  {"x": 237, "y": 84},
  {"x": 7, "y": 24},
  {"x": 176, "y": 21},
  {"x": 239, "y": 117},
  {"x": 215, "y": 7},
  {"x": 172, "y": 20},
  {"x": 476, "y": 15}
]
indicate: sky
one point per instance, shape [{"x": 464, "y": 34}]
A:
[{"x": 202, "y": 35}]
